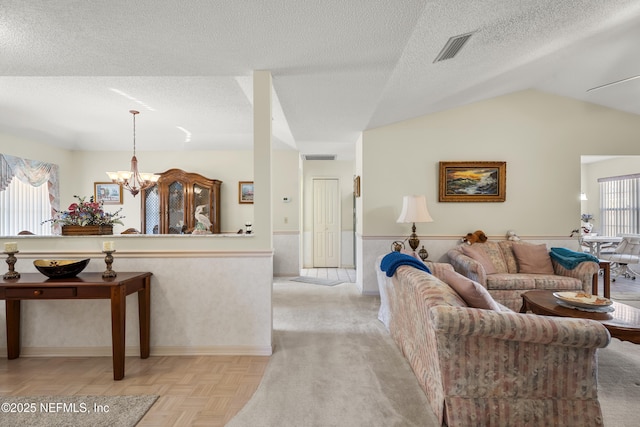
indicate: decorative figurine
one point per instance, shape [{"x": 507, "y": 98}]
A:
[{"x": 511, "y": 235}]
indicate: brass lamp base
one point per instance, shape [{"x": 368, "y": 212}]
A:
[
  {"x": 414, "y": 242},
  {"x": 413, "y": 239}
]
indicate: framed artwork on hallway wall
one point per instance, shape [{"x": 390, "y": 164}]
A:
[
  {"x": 473, "y": 181},
  {"x": 245, "y": 192}
]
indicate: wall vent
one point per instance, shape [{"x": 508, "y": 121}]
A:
[
  {"x": 452, "y": 47},
  {"x": 319, "y": 156}
]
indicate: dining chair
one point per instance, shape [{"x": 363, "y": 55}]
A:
[{"x": 626, "y": 254}]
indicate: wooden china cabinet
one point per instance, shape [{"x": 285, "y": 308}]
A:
[{"x": 169, "y": 206}]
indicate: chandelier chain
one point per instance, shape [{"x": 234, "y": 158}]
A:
[
  {"x": 133, "y": 180},
  {"x": 134, "y": 112}
]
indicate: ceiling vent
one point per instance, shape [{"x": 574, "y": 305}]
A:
[
  {"x": 319, "y": 156},
  {"x": 452, "y": 47}
]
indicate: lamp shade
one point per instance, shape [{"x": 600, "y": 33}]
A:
[{"x": 414, "y": 209}]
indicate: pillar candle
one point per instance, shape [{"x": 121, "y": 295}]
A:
[
  {"x": 11, "y": 247},
  {"x": 107, "y": 246}
]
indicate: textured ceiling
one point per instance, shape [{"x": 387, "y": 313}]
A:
[{"x": 70, "y": 70}]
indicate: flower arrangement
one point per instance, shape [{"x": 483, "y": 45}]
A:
[
  {"x": 586, "y": 217},
  {"x": 85, "y": 213}
]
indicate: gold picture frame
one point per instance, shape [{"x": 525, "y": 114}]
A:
[
  {"x": 107, "y": 193},
  {"x": 245, "y": 192},
  {"x": 473, "y": 181},
  {"x": 356, "y": 186}
]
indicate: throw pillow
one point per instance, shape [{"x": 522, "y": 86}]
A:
[
  {"x": 473, "y": 293},
  {"x": 533, "y": 259},
  {"x": 478, "y": 254}
]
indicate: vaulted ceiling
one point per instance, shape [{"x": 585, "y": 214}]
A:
[{"x": 70, "y": 70}]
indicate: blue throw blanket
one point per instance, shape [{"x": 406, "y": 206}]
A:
[
  {"x": 570, "y": 259},
  {"x": 391, "y": 261}
]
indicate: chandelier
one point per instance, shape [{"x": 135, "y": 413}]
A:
[{"x": 133, "y": 180}]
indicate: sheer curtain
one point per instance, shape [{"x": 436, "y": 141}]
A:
[
  {"x": 620, "y": 204},
  {"x": 29, "y": 194}
]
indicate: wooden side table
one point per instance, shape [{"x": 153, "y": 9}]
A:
[{"x": 605, "y": 266}]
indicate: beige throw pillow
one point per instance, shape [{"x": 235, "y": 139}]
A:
[
  {"x": 479, "y": 255},
  {"x": 473, "y": 293},
  {"x": 533, "y": 259}
]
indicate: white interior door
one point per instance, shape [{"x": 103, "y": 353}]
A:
[{"x": 326, "y": 223}]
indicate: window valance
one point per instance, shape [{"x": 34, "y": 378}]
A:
[{"x": 33, "y": 172}]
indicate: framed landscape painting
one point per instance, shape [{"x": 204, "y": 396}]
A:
[
  {"x": 107, "y": 193},
  {"x": 473, "y": 181},
  {"x": 245, "y": 192}
]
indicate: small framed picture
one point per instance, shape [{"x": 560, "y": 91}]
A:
[
  {"x": 245, "y": 192},
  {"x": 107, "y": 193},
  {"x": 356, "y": 186}
]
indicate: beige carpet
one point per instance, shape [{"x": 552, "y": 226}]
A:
[
  {"x": 64, "y": 411},
  {"x": 619, "y": 383},
  {"x": 335, "y": 365}
]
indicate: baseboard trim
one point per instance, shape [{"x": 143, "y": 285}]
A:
[{"x": 135, "y": 351}]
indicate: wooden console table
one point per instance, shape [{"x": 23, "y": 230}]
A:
[{"x": 35, "y": 286}]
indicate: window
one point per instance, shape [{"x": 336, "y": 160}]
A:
[
  {"x": 29, "y": 195},
  {"x": 620, "y": 205},
  {"x": 24, "y": 207}
]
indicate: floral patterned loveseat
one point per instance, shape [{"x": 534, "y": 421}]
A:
[
  {"x": 482, "y": 367},
  {"x": 506, "y": 282}
]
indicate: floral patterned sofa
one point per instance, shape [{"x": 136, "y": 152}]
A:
[
  {"x": 482, "y": 367},
  {"x": 497, "y": 267}
]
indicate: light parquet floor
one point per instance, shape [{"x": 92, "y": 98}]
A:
[{"x": 193, "y": 390}]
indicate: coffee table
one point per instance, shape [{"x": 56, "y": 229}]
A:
[{"x": 623, "y": 323}]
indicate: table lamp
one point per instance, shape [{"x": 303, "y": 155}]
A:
[{"x": 414, "y": 209}]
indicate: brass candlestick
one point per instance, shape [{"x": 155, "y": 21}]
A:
[
  {"x": 108, "y": 259},
  {"x": 11, "y": 260},
  {"x": 423, "y": 254}
]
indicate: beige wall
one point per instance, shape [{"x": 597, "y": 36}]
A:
[
  {"x": 286, "y": 179},
  {"x": 540, "y": 136}
]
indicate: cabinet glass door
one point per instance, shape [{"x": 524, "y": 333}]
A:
[
  {"x": 151, "y": 211},
  {"x": 202, "y": 197},
  {"x": 176, "y": 208}
]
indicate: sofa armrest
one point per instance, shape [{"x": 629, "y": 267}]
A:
[
  {"x": 519, "y": 327},
  {"x": 583, "y": 272},
  {"x": 467, "y": 266}
]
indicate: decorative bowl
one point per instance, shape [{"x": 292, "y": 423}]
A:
[{"x": 60, "y": 268}]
